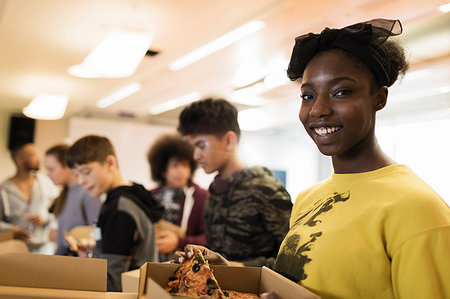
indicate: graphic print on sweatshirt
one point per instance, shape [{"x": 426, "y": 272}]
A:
[{"x": 300, "y": 239}]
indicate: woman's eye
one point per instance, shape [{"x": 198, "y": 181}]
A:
[
  {"x": 343, "y": 92},
  {"x": 306, "y": 96}
]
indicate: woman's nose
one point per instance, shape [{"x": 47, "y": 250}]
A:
[{"x": 321, "y": 107}]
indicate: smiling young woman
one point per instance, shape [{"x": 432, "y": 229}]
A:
[{"x": 373, "y": 229}]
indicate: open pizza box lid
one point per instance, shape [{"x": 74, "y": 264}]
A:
[
  {"x": 155, "y": 276},
  {"x": 25, "y": 275}
]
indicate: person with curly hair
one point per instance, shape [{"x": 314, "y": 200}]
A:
[{"x": 172, "y": 167}]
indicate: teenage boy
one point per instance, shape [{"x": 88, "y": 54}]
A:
[
  {"x": 247, "y": 213},
  {"x": 126, "y": 217}
]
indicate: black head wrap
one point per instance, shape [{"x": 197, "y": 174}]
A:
[{"x": 363, "y": 40}]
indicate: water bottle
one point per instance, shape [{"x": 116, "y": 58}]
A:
[{"x": 92, "y": 243}]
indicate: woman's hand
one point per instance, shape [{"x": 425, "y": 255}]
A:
[{"x": 211, "y": 256}]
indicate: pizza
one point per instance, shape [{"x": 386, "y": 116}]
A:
[
  {"x": 194, "y": 278},
  {"x": 239, "y": 295}
]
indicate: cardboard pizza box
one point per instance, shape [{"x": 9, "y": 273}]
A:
[
  {"x": 13, "y": 246},
  {"x": 130, "y": 281},
  {"x": 6, "y": 235},
  {"x": 7, "y": 292},
  {"x": 25, "y": 275},
  {"x": 155, "y": 276}
]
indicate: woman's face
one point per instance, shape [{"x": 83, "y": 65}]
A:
[
  {"x": 338, "y": 105},
  {"x": 177, "y": 173},
  {"x": 57, "y": 172}
]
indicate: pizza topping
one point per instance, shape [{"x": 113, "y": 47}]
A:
[
  {"x": 174, "y": 290},
  {"x": 196, "y": 268},
  {"x": 212, "y": 284}
]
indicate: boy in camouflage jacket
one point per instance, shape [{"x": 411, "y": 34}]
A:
[{"x": 247, "y": 213}]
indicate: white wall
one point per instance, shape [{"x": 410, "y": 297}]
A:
[
  {"x": 293, "y": 152},
  {"x": 424, "y": 146}
]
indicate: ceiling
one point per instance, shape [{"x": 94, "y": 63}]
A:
[{"x": 41, "y": 39}]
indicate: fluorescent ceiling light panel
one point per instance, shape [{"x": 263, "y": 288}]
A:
[
  {"x": 445, "y": 7},
  {"x": 119, "y": 95},
  {"x": 217, "y": 44},
  {"x": 118, "y": 55},
  {"x": 175, "y": 103},
  {"x": 47, "y": 106}
]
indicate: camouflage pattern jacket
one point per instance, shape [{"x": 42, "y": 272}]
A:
[{"x": 248, "y": 220}]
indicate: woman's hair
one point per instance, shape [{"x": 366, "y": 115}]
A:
[
  {"x": 90, "y": 148},
  {"x": 209, "y": 116},
  {"x": 367, "y": 42},
  {"x": 167, "y": 147},
  {"x": 59, "y": 151}
]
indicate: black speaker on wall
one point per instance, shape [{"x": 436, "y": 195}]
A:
[{"x": 21, "y": 131}]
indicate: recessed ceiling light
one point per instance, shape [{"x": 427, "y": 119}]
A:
[
  {"x": 175, "y": 103},
  {"x": 47, "y": 106},
  {"x": 117, "y": 55},
  {"x": 445, "y": 7},
  {"x": 119, "y": 95}
]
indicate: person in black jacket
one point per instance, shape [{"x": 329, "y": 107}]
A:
[{"x": 127, "y": 217}]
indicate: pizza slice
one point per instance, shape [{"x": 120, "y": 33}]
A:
[{"x": 195, "y": 278}]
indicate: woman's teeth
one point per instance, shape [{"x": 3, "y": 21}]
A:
[{"x": 322, "y": 131}]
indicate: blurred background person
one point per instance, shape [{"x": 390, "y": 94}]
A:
[
  {"x": 172, "y": 166},
  {"x": 25, "y": 199},
  {"x": 74, "y": 206}
]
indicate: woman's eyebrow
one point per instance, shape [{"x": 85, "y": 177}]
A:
[
  {"x": 339, "y": 79},
  {"x": 332, "y": 81}
]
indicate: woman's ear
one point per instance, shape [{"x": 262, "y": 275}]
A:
[{"x": 381, "y": 98}]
